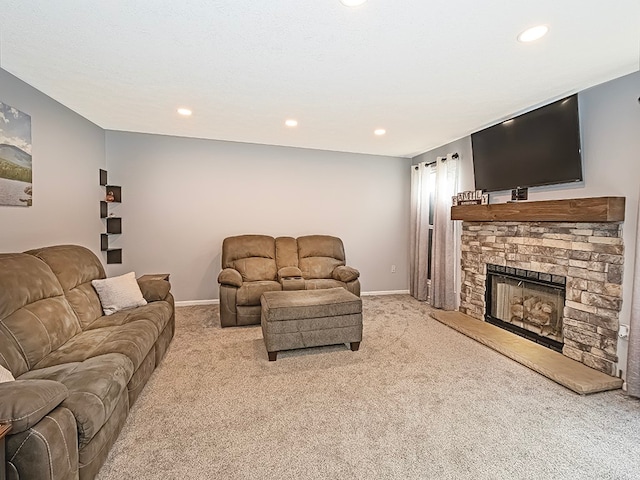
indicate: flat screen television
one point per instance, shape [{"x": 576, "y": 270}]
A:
[{"x": 540, "y": 147}]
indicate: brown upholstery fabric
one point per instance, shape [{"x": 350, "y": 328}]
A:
[
  {"x": 94, "y": 388},
  {"x": 25, "y": 402},
  {"x": 133, "y": 339},
  {"x": 251, "y": 255},
  {"x": 230, "y": 276},
  {"x": 345, "y": 274},
  {"x": 24, "y": 312},
  {"x": 286, "y": 252},
  {"x": 75, "y": 267},
  {"x": 158, "y": 313},
  {"x": 289, "y": 272},
  {"x": 93, "y": 455},
  {"x": 154, "y": 290},
  {"x": 319, "y": 255},
  {"x": 332, "y": 302},
  {"x": 322, "y": 283},
  {"x": 250, "y": 292},
  {"x": 47, "y": 450}
]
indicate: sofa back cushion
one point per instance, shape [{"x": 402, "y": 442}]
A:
[
  {"x": 286, "y": 252},
  {"x": 254, "y": 256},
  {"x": 318, "y": 255},
  {"x": 75, "y": 267},
  {"x": 35, "y": 317}
]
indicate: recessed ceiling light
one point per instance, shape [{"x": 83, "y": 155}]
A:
[
  {"x": 352, "y": 3},
  {"x": 379, "y": 131},
  {"x": 533, "y": 33},
  {"x": 291, "y": 123},
  {"x": 185, "y": 112}
]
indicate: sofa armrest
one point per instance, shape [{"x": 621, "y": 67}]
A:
[
  {"x": 26, "y": 402},
  {"x": 154, "y": 290},
  {"x": 289, "y": 272},
  {"x": 230, "y": 276},
  {"x": 345, "y": 274}
]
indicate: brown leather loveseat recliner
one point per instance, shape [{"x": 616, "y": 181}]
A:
[{"x": 254, "y": 264}]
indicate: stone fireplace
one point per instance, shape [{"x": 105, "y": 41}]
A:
[{"x": 586, "y": 256}]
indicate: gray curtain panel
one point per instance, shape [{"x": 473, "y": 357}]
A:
[
  {"x": 633, "y": 361},
  {"x": 419, "y": 235},
  {"x": 443, "y": 278},
  {"x": 433, "y": 183}
]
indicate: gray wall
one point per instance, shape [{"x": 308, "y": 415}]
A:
[
  {"x": 68, "y": 151},
  {"x": 610, "y": 124},
  {"x": 182, "y": 197}
]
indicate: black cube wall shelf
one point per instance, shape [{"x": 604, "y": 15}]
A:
[{"x": 113, "y": 224}]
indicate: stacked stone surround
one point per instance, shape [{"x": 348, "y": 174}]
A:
[{"x": 589, "y": 255}]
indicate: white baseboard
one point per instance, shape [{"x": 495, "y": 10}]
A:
[
  {"x": 385, "y": 292},
  {"x": 215, "y": 301},
  {"x": 190, "y": 303}
]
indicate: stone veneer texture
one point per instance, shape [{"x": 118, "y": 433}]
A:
[{"x": 589, "y": 255}]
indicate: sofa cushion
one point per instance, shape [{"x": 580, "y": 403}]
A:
[
  {"x": 251, "y": 255},
  {"x": 75, "y": 267},
  {"x": 119, "y": 293},
  {"x": 319, "y": 255},
  {"x": 94, "y": 388},
  {"x": 250, "y": 292},
  {"x": 35, "y": 317},
  {"x": 157, "y": 313},
  {"x": 321, "y": 283},
  {"x": 134, "y": 340},
  {"x": 25, "y": 402}
]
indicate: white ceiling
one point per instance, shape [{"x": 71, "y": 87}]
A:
[{"x": 428, "y": 71}]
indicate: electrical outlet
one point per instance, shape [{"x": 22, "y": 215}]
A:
[{"x": 393, "y": 269}]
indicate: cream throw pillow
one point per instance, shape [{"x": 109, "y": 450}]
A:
[
  {"x": 119, "y": 293},
  {"x": 5, "y": 375}
]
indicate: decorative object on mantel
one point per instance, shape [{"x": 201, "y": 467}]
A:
[
  {"x": 470, "y": 197},
  {"x": 595, "y": 209},
  {"x": 15, "y": 157}
]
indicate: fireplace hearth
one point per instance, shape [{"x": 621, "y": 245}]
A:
[{"x": 527, "y": 303}]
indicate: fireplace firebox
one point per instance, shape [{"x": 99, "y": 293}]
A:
[{"x": 527, "y": 303}]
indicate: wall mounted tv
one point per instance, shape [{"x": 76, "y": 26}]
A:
[{"x": 541, "y": 147}]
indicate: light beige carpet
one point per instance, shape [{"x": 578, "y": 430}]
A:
[{"x": 417, "y": 401}]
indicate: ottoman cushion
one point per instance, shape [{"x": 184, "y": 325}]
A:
[{"x": 301, "y": 304}]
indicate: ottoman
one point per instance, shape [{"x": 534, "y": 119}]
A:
[{"x": 310, "y": 318}]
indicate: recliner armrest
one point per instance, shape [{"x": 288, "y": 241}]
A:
[
  {"x": 345, "y": 274},
  {"x": 289, "y": 272},
  {"x": 26, "y": 402},
  {"x": 231, "y": 277},
  {"x": 154, "y": 290}
]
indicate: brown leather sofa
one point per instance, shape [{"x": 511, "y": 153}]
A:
[
  {"x": 77, "y": 372},
  {"x": 254, "y": 264}
]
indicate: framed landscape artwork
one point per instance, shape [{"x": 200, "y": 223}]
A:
[{"x": 15, "y": 157}]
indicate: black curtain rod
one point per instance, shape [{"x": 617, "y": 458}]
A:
[{"x": 444, "y": 159}]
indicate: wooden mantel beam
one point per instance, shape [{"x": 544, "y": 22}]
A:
[{"x": 595, "y": 209}]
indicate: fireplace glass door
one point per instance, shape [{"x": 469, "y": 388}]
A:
[{"x": 528, "y": 307}]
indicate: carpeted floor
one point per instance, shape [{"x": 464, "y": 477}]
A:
[{"x": 418, "y": 401}]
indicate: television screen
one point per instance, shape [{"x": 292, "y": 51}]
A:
[{"x": 541, "y": 147}]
